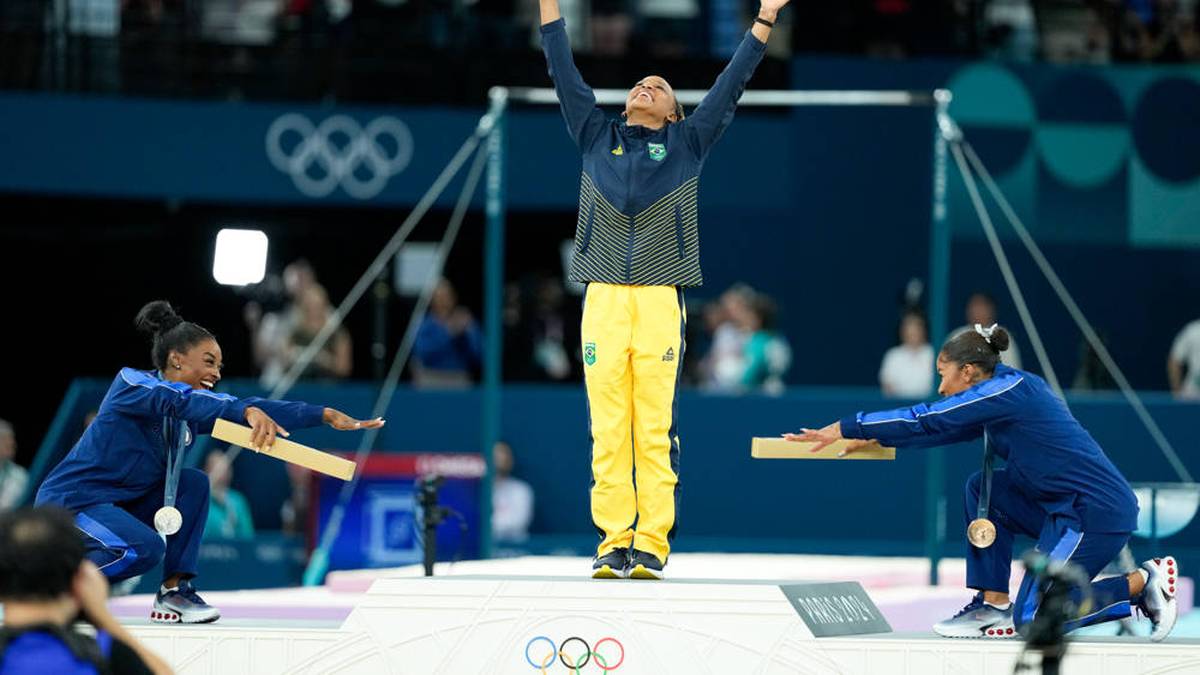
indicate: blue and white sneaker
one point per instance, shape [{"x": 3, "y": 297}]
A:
[
  {"x": 644, "y": 565},
  {"x": 1157, "y": 600},
  {"x": 978, "y": 620},
  {"x": 182, "y": 605}
]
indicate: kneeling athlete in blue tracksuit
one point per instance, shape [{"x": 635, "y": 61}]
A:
[
  {"x": 1058, "y": 487},
  {"x": 116, "y": 477}
]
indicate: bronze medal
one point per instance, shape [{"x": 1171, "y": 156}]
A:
[{"x": 981, "y": 533}]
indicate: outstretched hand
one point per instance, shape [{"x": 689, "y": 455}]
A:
[
  {"x": 768, "y": 9},
  {"x": 263, "y": 429},
  {"x": 822, "y": 437},
  {"x": 343, "y": 422}
]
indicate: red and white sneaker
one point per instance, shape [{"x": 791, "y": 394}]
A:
[
  {"x": 1158, "y": 598},
  {"x": 182, "y": 605},
  {"x": 978, "y": 620}
]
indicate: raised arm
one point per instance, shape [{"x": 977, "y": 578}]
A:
[
  {"x": 584, "y": 119},
  {"x": 706, "y": 124}
]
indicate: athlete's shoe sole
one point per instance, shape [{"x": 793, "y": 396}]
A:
[
  {"x": 607, "y": 572},
  {"x": 643, "y": 572},
  {"x": 993, "y": 633},
  {"x": 1164, "y": 576},
  {"x": 166, "y": 615}
]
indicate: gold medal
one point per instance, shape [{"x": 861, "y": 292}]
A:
[
  {"x": 981, "y": 533},
  {"x": 168, "y": 520}
]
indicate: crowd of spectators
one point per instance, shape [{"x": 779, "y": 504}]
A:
[{"x": 266, "y": 35}]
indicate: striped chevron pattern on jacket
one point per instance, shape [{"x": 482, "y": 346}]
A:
[{"x": 660, "y": 246}]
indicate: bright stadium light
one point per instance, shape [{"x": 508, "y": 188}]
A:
[{"x": 240, "y": 258}]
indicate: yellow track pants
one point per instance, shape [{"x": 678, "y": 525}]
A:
[{"x": 632, "y": 352}]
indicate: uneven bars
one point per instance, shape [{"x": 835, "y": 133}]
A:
[{"x": 766, "y": 97}]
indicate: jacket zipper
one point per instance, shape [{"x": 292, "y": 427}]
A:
[{"x": 633, "y": 158}]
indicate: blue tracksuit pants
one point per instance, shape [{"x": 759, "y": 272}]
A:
[
  {"x": 1013, "y": 512},
  {"x": 121, "y": 539}
]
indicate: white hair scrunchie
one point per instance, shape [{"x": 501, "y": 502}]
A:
[{"x": 986, "y": 332}]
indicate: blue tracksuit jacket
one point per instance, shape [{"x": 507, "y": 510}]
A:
[
  {"x": 122, "y": 454},
  {"x": 1050, "y": 457},
  {"x": 638, "y": 221}
]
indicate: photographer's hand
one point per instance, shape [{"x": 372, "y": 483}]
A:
[{"x": 90, "y": 589}]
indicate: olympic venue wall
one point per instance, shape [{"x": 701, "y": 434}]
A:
[
  {"x": 729, "y": 501},
  {"x": 825, "y": 209}
]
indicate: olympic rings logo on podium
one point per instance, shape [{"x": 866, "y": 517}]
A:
[
  {"x": 576, "y": 657},
  {"x": 339, "y": 151}
]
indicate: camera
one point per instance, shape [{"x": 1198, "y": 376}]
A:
[
  {"x": 427, "y": 491},
  {"x": 1055, "y": 580}
]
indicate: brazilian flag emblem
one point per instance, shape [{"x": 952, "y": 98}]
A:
[
  {"x": 589, "y": 353},
  {"x": 658, "y": 151}
]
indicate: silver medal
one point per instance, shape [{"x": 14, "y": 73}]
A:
[{"x": 168, "y": 520}]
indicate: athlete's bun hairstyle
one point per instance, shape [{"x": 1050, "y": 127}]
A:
[
  {"x": 168, "y": 331},
  {"x": 1000, "y": 339},
  {"x": 157, "y": 317},
  {"x": 979, "y": 346}
]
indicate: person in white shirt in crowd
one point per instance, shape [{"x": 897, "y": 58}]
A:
[
  {"x": 512, "y": 500},
  {"x": 981, "y": 309},
  {"x": 1183, "y": 363},
  {"x": 907, "y": 368},
  {"x": 13, "y": 478},
  {"x": 723, "y": 366},
  {"x": 269, "y": 331}
]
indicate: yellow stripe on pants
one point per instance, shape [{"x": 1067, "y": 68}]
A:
[{"x": 632, "y": 349}]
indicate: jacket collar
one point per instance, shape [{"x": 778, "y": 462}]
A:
[{"x": 639, "y": 131}]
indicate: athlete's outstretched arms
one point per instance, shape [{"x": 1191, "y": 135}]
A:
[
  {"x": 714, "y": 113},
  {"x": 578, "y": 102}
]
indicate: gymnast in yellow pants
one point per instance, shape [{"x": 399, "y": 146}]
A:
[
  {"x": 637, "y": 246},
  {"x": 633, "y": 348}
]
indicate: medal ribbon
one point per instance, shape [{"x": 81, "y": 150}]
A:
[
  {"x": 175, "y": 452},
  {"x": 985, "y": 487}
]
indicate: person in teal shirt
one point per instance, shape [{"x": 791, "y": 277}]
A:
[
  {"x": 228, "y": 511},
  {"x": 767, "y": 353}
]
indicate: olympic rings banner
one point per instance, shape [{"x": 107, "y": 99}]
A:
[
  {"x": 1086, "y": 155},
  {"x": 228, "y": 152}
]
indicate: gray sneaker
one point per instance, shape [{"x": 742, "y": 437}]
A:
[
  {"x": 611, "y": 565},
  {"x": 978, "y": 620},
  {"x": 182, "y": 605},
  {"x": 1157, "y": 601}
]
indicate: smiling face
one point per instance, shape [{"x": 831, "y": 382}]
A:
[
  {"x": 198, "y": 367},
  {"x": 651, "y": 101}
]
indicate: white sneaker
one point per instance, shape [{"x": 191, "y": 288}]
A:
[
  {"x": 978, "y": 620},
  {"x": 1158, "y": 598}
]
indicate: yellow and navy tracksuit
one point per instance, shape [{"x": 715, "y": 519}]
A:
[{"x": 636, "y": 247}]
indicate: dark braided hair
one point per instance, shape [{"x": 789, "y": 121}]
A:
[
  {"x": 972, "y": 347},
  {"x": 168, "y": 331}
]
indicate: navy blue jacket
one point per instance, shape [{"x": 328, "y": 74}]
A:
[
  {"x": 638, "y": 222},
  {"x": 1050, "y": 457},
  {"x": 123, "y": 453}
]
